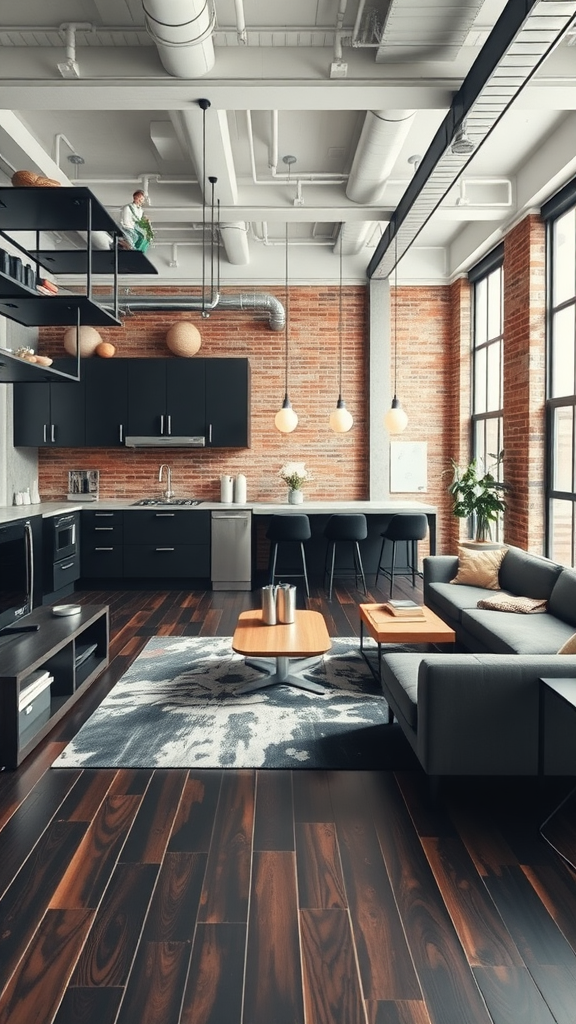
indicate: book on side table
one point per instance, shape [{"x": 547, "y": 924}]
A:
[{"x": 404, "y": 609}]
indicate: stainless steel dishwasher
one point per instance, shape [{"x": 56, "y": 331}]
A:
[{"x": 231, "y": 550}]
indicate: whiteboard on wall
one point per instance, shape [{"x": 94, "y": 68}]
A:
[{"x": 408, "y": 466}]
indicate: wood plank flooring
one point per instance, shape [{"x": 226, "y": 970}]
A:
[{"x": 274, "y": 897}]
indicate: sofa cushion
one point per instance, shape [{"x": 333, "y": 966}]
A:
[
  {"x": 479, "y": 568},
  {"x": 508, "y": 633},
  {"x": 512, "y": 603},
  {"x": 452, "y": 600},
  {"x": 570, "y": 646},
  {"x": 528, "y": 575},
  {"x": 562, "y": 601},
  {"x": 400, "y": 678}
]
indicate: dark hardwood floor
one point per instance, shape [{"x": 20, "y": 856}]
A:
[{"x": 274, "y": 897}]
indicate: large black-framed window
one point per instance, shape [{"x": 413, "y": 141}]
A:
[
  {"x": 560, "y": 214},
  {"x": 487, "y": 413}
]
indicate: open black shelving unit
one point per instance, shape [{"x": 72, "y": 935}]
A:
[{"x": 72, "y": 208}]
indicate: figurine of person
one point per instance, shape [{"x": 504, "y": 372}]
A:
[{"x": 131, "y": 219}]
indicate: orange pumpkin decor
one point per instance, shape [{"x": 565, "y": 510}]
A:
[{"x": 105, "y": 349}]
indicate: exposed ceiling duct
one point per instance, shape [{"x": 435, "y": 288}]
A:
[
  {"x": 257, "y": 302},
  {"x": 523, "y": 37},
  {"x": 383, "y": 135},
  {"x": 234, "y": 236},
  {"x": 444, "y": 29},
  {"x": 182, "y": 31},
  {"x": 354, "y": 235}
]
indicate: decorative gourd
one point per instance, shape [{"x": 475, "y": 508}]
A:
[{"x": 105, "y": 349}]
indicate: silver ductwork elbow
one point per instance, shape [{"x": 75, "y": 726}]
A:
[{"x": 258, "y": 302}]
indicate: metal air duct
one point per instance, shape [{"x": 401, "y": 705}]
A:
[
  {"x": 259, "y": 302},
  {"x": 382, "y": 138},
  {"x": 182, "y": 31},
  {"x": 234, "y": 235}
]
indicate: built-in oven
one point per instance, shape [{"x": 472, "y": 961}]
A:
[{"x": 64, "y": 536}]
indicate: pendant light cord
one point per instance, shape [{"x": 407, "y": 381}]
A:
[
  {"x": 340, "y": 325},
  {"x": 395, "y": 311},
  {"x": 286, "y": 319}
]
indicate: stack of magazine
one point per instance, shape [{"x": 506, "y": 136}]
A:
[{"x": 404, "y": 609}]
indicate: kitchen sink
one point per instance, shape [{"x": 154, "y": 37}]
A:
[{"x": 168, "y": 501}]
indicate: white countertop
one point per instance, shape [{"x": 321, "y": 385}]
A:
[{"x": 11, "y": 513}]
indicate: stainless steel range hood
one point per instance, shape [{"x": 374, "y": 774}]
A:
[{"x": 169, "y": 441}]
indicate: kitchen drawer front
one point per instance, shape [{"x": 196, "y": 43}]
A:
[
  {"x": 102, "y": 527},
  {"x": 177, "y": 560},
  {"x": 167, "y": 527},
  {"x": 64, "y": 572},
  {"x": 102, "y": 558}
]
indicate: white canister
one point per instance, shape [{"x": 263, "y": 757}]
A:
[
  {"x": 240, "y": 489},
  {"x": 226, "y": 488}
]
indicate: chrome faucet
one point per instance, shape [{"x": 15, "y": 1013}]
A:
[{"x": 168, "y": 493}]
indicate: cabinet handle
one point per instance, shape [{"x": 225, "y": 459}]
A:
[
  {"x": 165, "y": 549},
  {"x": 52, "y": 432},
  {"x": 164, "y": 515},
  {"x": 103, "y": 549},
  {"x": 67, "y": 566},
  {"x": 45, "y": 433},
  {"x": 121, "y": 433},
  {"x": 210, "y": 433},
  {"x": 162, "y": 423},
  {"x": 101, "y": 529},
  {"x": 101, "y": 515}
]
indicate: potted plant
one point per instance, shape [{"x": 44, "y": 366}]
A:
[
  {"x": 294, "y": 474},
  {"x": 477, "y": 494}
]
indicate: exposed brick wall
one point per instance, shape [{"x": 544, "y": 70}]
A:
[
  {"x": 339, "y": 462},
  {"x": 524, "y": 382}
]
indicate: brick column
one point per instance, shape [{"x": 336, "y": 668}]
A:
[{"x": 524, "y": 382}]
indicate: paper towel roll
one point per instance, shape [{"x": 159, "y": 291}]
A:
[
  {"x": 240, "y": 489},
  {"x": 226, "y": 488}
]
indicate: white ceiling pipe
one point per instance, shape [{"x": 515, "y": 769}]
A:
[
  {"x": 273, "y": 159},
  {"x": 310, "y": 179},
  {"x": 383, "y": 135},
  {"x": 182, "y": 31},
  {"x": 234, "y": 235},
  {"x": 240, "y": 21}
]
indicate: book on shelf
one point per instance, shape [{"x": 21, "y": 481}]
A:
[
  {"x": 36, "y": 683},
  {"x": 404, "y": 609}
]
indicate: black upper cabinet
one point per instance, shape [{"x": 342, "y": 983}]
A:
[
  {"x": 166, "y": 397},
  {"x": 207, "y": 398},
  {"x": 228, "y": 403},
  {"x": 50, "y": 415},
  {"x": 106, "y": 401}
]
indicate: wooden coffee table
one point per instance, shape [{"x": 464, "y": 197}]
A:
[
  {"x": 386, "y": 628},
  {"x": 306, "y": 638}
]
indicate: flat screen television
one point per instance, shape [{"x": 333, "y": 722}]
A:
[{"x": 16, "y": 573}]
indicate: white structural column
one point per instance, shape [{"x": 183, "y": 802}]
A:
[{"x": 380, "y": 393}]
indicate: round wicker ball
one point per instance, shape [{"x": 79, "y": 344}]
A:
[
  {"x": 105, "y": 349},
  {"x": 24, "y": 179},
  {"x": 89, "y": 341},
  {"x": 183, "y": 339}
]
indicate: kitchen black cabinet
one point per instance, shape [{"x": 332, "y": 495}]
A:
[
  {"x": 228, "y": 403},
  {"x": 50, "y": 414},
  {"x": 164, "y": 543},
  {"x": 166, "y": 397},
  {"x": 106, "y": 383},
  {"x": 102, "y": 544}
]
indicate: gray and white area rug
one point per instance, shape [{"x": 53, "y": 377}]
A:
[{"x": 176, "y": 707}]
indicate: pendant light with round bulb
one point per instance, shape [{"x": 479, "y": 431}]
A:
[
  {"x": 395, "y": 420},
  {"x": 340, "y": 419},
  {"x": 286, "y": 419}
]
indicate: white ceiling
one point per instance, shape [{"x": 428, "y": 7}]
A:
[{"x": 132, "y": 122}]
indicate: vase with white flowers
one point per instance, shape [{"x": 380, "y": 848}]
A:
[{"x": 294, "y": 474}]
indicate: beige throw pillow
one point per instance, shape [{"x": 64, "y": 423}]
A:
[
  {"x": 479, "y": 568},
  {"x": 525, "y": 605},
  {"x": 570, "y": 646}
]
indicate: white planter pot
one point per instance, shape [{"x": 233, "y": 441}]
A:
[{"x": 295, "y": 497}]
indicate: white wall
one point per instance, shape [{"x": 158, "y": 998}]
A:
[{"x": 18, "y": 466}]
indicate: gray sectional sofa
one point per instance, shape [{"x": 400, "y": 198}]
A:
[{"x": 475, "y": 711}]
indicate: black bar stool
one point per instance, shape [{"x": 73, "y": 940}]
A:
[
  {"x": 288, "y": 529},
  {"x": 350, "y": 528},
  {"x": 403, "y": 527}
]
